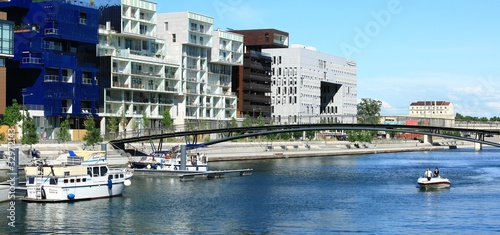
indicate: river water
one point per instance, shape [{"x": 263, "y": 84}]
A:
[{"x": 367, "y": 194}]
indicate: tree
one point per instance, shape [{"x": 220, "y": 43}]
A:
[
  {"x": 369, "y": 111},
  {"x": 247, "y": 121},
  {"x": 123, "y": 121},
  {"x": 63, "y": 134},
  {"x": 285, "y": 135},
  {"x": 297, "y": 135},
  {"x": 112, "y": 125},
  {"x": 260, "y": 120},
  {"x": 310, "y": 135},
  {"x": 29, "y": 130},
  {"x": 12, "y": 114},
  {"x": 360, "y": 136},
  {"x": 93, "y": 135},
  {"x": 233, "y": 124},
  {"x": 145, "y": 120},
  {"x": 167, "y": 122}
]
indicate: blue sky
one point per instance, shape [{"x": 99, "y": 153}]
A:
[{"x": 406, "y": 50}]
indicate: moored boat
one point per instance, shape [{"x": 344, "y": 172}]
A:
[
  {"x": 78, "y": 181},
  {"x": 171, "y": 161},
  {"x": 435, "y": 182},
  {"x": 73, "y": 157}
]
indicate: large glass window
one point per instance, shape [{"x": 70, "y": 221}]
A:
[{"x": 6, "y": 37}]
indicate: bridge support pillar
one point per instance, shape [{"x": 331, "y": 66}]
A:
[
  {"x": 428, "y": 139},
  {"x": 478, "y": 146},
  {"x": 183, "y": 157}
]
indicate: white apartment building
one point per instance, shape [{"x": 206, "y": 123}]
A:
[
  {"x": 309, "y": 86},
  {"x": 206, "y": 57},
  {"x": 432, "y": 109},
  {"x": 136, "y": 78}
]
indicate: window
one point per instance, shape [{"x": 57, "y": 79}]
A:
[
  {"x": 104, "y": 170},
  {"x": 143, "y": 29},
  {"x": 173, "y": 37},
  {"x": 166, "y": 26},
  {"x": 83, "y": 17}
]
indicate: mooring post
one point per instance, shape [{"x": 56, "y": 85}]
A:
[{"x": 183, "y": 157}]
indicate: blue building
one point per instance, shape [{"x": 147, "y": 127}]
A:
[{"x": 54, "y": 70}]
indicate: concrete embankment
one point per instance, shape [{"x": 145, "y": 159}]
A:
[
  {"x": 249, "y": 151},
  {"x": 234, "y": 151}
]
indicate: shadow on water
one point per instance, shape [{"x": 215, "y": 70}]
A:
[{"x": 424, "y": 189}]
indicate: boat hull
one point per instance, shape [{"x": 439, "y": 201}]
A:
[
  {"x": 71, "y": 183},
  {"x": 435, "y": 182}
]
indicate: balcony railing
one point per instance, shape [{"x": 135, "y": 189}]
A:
[
  {"x": 87, "y": 80},
  {"x": 66, "y": 78},
  {"x": 51, "y": 78},
  {"x": 31, "y": 60},
  {"x": 51, "y": 31}
]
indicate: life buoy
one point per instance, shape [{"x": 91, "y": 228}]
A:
[{"x": 167, "y": 156}]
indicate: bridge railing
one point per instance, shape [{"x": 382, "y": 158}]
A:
[{"x": 194, "y": 125}]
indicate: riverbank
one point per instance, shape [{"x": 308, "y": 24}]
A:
[
  {"x": 253, "y": 151},
  {"x": 237, "y": 151}
]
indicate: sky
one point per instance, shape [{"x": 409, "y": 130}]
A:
[{"x": 405, "y": 50}]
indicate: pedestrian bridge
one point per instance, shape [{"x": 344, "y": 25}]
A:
[{"x": 228, "y": 134}]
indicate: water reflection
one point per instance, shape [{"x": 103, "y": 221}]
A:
[{"x": 360, "y": 194}]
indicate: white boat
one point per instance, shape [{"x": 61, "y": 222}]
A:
[
  {"x": 73, "y": 157},
  {"x": 170, "y": 161},
  {"x": 68, "y": 182},
  {"x": 434, "y": 182}
]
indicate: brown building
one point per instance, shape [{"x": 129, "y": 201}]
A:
[
  {"x": 6, "y": 51},
  {"x": 252, "y": 81}
]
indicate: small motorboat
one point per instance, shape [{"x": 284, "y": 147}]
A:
[{"x": 434, "y": 183}]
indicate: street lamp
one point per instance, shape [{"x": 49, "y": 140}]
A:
[{"x": 24, "y": 95}]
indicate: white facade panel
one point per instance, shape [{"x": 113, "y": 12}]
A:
[{"x": 310, "y": 86}]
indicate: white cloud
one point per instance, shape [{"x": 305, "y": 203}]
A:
[
  {"x": 495, "y": 105},
  {"x": 471, "y": 95},
  {"x": 238, "y": 14},
  {"x": 469, "y": 90},
  {"x": 386, "y": 105}
]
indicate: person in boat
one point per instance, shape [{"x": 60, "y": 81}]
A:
[
  {"x": 428, "y": 173},
  {"x": 34, "y": 153},
  {"x": 436, "y": 172}
]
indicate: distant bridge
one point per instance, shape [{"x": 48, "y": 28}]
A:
[{"x": 227, "y": 134}]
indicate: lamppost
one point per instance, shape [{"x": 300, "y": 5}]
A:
[{"x": 24, "y": 95}]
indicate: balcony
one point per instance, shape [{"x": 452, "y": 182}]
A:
[
  {"x": 119, "y": 84},
  {"x": 67, "y": 79},
  {"x": 87, "y": 80},
  {"x": 51, "y": 78},
  {"x": 51, "y": 31},
  {"x": 257, "y": 87},
  {"x": 31, "y": 60}
]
